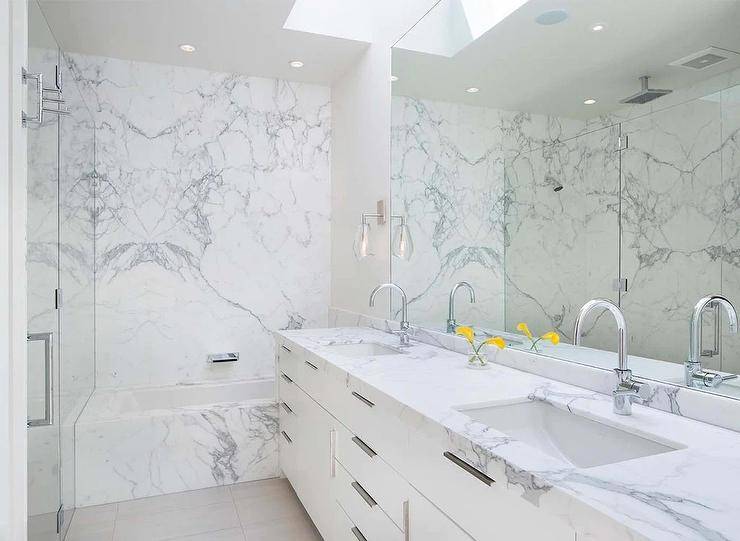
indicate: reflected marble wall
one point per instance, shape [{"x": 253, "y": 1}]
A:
[
  {"x": 212, "y": 221},
  {"x": 477, "y": 181},
  {"x": 476, "y": 185}
]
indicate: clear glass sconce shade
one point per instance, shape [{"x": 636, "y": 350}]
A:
[
  {"x": 361, "y": 245},
  {"x": 403, "y": 244}
]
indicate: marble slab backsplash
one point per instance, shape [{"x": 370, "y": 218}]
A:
[
  {"x": 212, "y": 224},
  {"x": 690, "y": 403}
]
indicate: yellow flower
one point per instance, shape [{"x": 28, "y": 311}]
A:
[
  {"x": 552, "y": 336},
  {"x": 496, "y": 341},
  {"x": 525, "y": 329},
  {"x": 467, "y": 332}
]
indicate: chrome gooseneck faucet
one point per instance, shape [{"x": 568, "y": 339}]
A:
[
  {"x": 627, "y": 388},
  {"x": 451, "y": 323},
  {"x": 695, "y": 375},
  {"x": 403, "y": 333}
]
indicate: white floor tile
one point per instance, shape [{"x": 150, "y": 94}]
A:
[
  {"x": 265, "y": 510},
  {"x": 176, "y": 523},
  {"x": 232, "y": 534},
  {"x": 172, "y": 502}
]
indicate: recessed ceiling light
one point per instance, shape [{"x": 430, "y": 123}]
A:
[
  {"x": 394, "y": 78},
  {"x": 598, "y": 27},
  {"x": 295, "y": 64},
  {"x": 472, "y": 90},
  {"x": 549, "y": 18},
  {"x": 187, "y": 48},
  {"x": 589, "y": 101}
]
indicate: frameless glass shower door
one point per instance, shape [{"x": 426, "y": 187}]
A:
[
  {"x": 42, "y": 268},
  {"x": 60, "y": 274}
]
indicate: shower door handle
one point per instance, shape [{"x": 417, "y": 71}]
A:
[
  {"x": 39, "y": 78},
  {"x": 47, "y": 338}
]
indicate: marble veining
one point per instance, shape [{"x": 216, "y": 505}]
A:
[
  {"x": 161, "y": 440},
  {"x": 212, "y": 223},
  {"x": 477, "y": 185},
  {"x": 669, "y": 496}
]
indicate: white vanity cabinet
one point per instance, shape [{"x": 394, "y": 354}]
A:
[{"x": 363, "y": 475}]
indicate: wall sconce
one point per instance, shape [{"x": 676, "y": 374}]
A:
[{"x": 402, "y": 245}]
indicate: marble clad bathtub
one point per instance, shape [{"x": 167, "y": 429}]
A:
[{"x": 138, "y": 442}]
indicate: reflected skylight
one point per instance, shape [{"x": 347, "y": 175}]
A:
[{"x": 454, "y": 24}]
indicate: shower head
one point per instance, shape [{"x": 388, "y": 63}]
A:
[{"x": 646, "y": 93}]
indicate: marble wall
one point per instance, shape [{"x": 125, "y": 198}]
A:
[{"x": 212, "y": 219}]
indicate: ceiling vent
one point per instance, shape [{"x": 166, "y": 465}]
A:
[{"x": 704, "y": 59}]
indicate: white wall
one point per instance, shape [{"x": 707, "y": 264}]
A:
[
  {"x": 13, "y": 47},
  {"x": 361, "y": 120},
  {"x": 361, "y": 156}
]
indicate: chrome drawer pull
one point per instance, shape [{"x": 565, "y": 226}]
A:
[
  {"x": 406, "y": 534},
  {"x": 287, "y": 408},
  {"x": 358, "y": 534},
  {"x": 287, "y": 438},
  {"x": 364, "y": 446},
  {"x": 365, "y": 496},
  {"x": 285, "y": 377},
  {"x": 311, "y": 365},
  {"x": 475, "y": 472},
  {"x": 286, "y": 348},
  {"x": 358, "y": 396}
]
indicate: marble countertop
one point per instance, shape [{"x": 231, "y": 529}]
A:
[{"x": 688, "y": 494}]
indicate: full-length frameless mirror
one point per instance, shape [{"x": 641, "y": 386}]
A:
[{"x": 549, "y": 153}]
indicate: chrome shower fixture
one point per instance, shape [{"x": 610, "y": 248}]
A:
[
  {"x": 646, "y": 93},
  {"x": 552, "y": 181}
]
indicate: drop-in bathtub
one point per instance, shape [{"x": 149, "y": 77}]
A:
[{"x": 138, "y": 442}]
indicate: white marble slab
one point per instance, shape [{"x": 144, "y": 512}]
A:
[{"x": 680, "y": 495}]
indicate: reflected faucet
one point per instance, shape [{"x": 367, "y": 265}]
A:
[
  {"x": 451, "y": 323},
  {"x": 627, "y": 388},
  {"x": 695, "y": 375},
  {"x": 403, "y": 333}
]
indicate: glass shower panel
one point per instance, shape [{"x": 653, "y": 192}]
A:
[
  {"x": 43, "y": 279},
  {"x": 672, "y": 204},
  {"x": 730, "y": 104},
  {"x": 562, "y": 234},
  {"x": 76, "y": 269}
]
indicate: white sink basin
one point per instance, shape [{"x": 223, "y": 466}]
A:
[
  {"x": 364, "y": 349},
  {"x": 570, "y": 438}
]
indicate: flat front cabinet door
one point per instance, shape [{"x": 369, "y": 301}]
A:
[{"x": 311, "y": 471}]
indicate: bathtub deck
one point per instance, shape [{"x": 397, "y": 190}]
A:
[{"x": 256, "y": 511}]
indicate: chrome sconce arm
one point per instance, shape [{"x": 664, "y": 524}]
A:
[{"x": 402, "y": 245}]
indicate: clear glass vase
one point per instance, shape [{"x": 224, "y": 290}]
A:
[{"x": 478, "y": 361}]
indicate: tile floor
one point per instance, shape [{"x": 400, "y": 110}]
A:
[{"x": 257, "y": 511}]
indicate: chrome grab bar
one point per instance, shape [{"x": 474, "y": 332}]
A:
[{"x": 47, "y": 338}]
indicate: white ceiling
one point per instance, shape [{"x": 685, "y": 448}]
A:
[
  {"x": 241, "y": 36},
  {"x": 523, "y": 66}
]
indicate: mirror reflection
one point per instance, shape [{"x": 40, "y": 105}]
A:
[{"x": 545, "y": 154}]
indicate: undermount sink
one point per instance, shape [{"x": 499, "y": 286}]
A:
[
  {"x": 364, "y": 349},
  {"x": 570, "y": 438}
]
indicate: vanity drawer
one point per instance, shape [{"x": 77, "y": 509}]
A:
[
  {"x": 312, "y": 375},
  {"x": 362, "y": 509},
  {"x": 344, "y": 529},
  {"x": 286, "y": 453},
  {"x": 288, "y": 359},
  {"x": 372, "y": 472},
  {"x": 478, "y": 502},
  {"x": 364, "y": 411}
]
